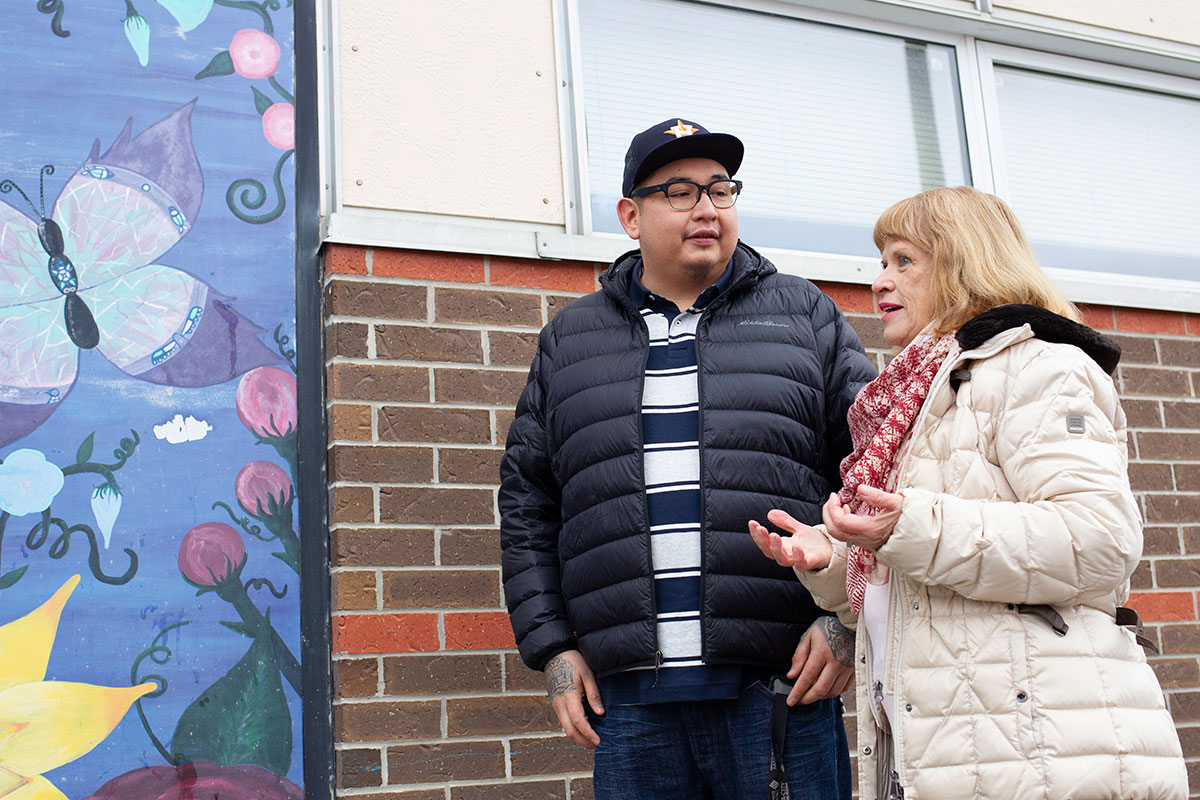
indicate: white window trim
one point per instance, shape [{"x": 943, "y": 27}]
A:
[{"x": 980, "y": 38}]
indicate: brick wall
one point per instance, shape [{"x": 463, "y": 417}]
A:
[{"x": 427, "y": 353}]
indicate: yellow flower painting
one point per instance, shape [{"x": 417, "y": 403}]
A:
[{"x": 45, "y": 724}]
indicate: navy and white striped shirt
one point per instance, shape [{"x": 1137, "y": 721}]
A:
[{"x": 670, "y": 431}]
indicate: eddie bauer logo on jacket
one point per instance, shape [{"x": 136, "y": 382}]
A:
[{"x": 764, "y": 322}]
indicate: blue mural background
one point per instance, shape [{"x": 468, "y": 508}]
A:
[{"x": 62, "y": 94}]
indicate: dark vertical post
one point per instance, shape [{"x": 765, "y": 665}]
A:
[{"x": 316, "y": 668}]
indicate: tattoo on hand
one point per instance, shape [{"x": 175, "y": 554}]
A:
[
  {"x": 560, "y": 677},
  {"x": 840, "y": 638}
]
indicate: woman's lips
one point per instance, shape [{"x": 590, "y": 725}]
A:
[{"x": 888, "y": 309}]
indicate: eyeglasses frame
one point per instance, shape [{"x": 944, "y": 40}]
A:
[{"x": 646, "y": 191}]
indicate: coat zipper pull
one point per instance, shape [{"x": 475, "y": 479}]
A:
[{"x": 658, "y": 662}]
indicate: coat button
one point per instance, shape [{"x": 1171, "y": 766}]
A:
[
  {"x": 1022, "y": 697},
  {"x": 867, "y": 750},
  {"x": 1011, "y": 607},
  {"x": 908, "y": 706},
  {"x": 916, "y": 606},
  {"x": 862, "y": 659}
]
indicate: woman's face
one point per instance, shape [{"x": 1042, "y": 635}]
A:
[{"x": 903, "y": 291}]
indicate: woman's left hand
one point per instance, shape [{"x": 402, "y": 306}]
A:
[{"x": 870, "y": 532}]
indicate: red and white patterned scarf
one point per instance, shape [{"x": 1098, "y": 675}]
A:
[{"x": 879, "y": 418}]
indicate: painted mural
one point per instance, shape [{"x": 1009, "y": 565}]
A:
[{"x": 149, "y": 552}]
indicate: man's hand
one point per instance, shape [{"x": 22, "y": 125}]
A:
[
  {"x": 823, "y": 665},
  {"x": 806, "y": 549},
  {"x": 568, "y": 677}
]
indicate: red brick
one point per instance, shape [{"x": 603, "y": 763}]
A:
[
  {"x": 349, "y": 422},
  {"x": 478, "y": 630},
  {"x": 441, "y": 425},
  {"x": 1180, "y": 352},
  {"x": 482, "y": 716},
  {"x": 355, "y": 677},
  {"x": 1142, "y": 578},
  {"x": 1163, "y": 606},
  {"x": 1180, "y": 508},
  {"x": 1163, "y": 541},
  {"x": 511, "y": 349},
  {"x": 1154, "y": 381},
  {"x": 435, "y": 506},
  {"x": 470, "y": 547},
  {"x": 445, "y": 761},
  {"x": 518, "y": 677},
  {"x": 487, "y": 307},
  {"x": 428, "y": 266},
  {"x": 1150, "y": 477},
  {"x": 1176, "y": 673},
  {"x": 1141, "y": 320},
  {"x": 375, "y": 464},
  {"x": 384, "y": 721},
  {"x": 376, "y": 299},
  {"x": 1181, "y": 414},
  {"x": 355, "y": 590},
  {"x": 504, "y": 418},
  {"x": 524, "y": 790},
  {"x": 1099, "y": 317},
  {"x": 564, "y": 276},
  {"x": 382, "y": 547},
  {"x": 849, "y": 297},
  {"x": 479, "y": 387},
  {"x": 443, "y": 674},
  {"x": 350, "y": 504},
  {"x": 344, "y": 258},
  {"x": 1142, "y": 413},
  {"x": 1193, "y": 323},
  {"x": 346, "y": 339},
  {"x": 469, "y": 465},
  {"x": 378, "y": 382},
  {"x": 1167, "y": 446},
  {"x": 419, "y": 343},
  {"x": 357, "y": 769},
  {"x": 441, "y": 588},
  {"x": 548, "y": 755},
  {"x": 385, "y": 633}
]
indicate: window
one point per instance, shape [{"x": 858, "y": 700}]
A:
[
  {"x": 838, "y": 123},
  {"x": 840, "y": 120},
  {"x": 1101, "y": 174}
]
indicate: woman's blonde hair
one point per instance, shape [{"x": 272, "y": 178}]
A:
[{"x": 981, "y": 257}]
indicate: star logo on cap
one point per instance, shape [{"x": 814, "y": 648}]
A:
[{"x": 681, "y": 128}]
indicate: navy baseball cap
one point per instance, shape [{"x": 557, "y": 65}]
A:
[{"x": 672, "y": 140}]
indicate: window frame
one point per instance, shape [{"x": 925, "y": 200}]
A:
[
  {"x": 976, "y": 59},
  {"x": 982, "y": 36}
]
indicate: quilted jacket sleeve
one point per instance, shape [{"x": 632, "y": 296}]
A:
[
  {"x": 1075, "y": 532},
  {"x": 530, "y": 519},
  {"x": 828, "y": 586}
]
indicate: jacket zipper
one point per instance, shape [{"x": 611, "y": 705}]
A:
[{"x": 700, "y": 482}]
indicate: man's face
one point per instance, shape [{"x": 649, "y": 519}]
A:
[{"x": 700, "y": 241}]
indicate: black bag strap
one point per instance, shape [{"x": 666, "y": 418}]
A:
[{"x": 777, "y": 777}]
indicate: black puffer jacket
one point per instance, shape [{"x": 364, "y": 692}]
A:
[{"x": 778, "y": 369}]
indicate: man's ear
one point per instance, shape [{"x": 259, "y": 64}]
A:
[{"x": 629, "y": 213}]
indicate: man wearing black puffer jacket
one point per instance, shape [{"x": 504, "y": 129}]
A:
[{"x": 696, "y": 390}]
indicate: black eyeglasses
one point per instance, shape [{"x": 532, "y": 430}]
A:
[{"x": 683, "y": 195}]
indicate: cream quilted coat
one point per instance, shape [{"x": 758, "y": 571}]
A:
[{"x": 1015, "y": 492}]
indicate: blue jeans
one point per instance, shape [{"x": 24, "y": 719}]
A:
[{"x": 718, "y": 750}]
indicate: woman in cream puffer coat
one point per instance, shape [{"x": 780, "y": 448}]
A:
[{"x": 1007, "y": 533}]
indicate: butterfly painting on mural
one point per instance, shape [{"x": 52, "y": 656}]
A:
[{"x": 86, "y": 277}]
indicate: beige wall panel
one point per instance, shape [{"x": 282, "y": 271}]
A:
[
  {"x": 1176, "y": 20},
  {"x": 443, "y": 109}
]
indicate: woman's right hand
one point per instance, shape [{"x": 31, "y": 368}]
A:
[{"x": 805, "y": 550}]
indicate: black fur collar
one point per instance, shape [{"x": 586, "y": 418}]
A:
[{"x": 1046, "y": 325}]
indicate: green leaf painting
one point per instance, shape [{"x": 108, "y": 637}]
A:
[
  {"x": 85, "y": 449},
  {"x": 261, "y": 101},
  {"x": 242, "y": 718}
]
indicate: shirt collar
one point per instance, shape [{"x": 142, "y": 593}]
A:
[{"x": 641, "y": 297}]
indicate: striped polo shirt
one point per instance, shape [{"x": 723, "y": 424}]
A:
[{"x": 671, "y": 455}]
